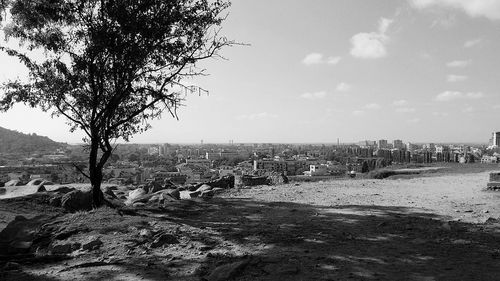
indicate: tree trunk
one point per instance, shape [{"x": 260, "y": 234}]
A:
[
  {"x": 95, "y": 173},
  {"x": 97, "y": 195}
]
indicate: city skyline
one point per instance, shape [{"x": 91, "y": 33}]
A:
[{"x": 421, "y": 71}]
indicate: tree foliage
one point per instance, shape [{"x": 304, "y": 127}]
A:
[{"x": 109, "y": 66}]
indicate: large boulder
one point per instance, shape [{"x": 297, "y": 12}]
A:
[
  {"x": 153, "y": 187},
  {"x": 77, "y": 200},
  {"x": 63, "y": 190},
  {"x": 223, "y": 182},
  {"x": 136, "y": 193},
  {"x": 204, "y": 187},
  {"x": 17, "y": 237},
  {"x": 248, "y": 180},
  {"x": 277, "y": 179}
]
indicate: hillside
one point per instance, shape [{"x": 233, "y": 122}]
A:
[{"x": 16, "y": 142}]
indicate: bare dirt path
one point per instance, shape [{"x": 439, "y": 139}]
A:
[{"x": 430, "y": 228}]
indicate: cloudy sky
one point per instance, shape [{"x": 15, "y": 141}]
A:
[{"x": 315, "y": 71}]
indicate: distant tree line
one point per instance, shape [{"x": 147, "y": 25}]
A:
[{"x": 16, "y": 142}]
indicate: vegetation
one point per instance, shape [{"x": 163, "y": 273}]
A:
[
  {"x": 109, "y": 66},
  {"x": 19, "y": 143}
]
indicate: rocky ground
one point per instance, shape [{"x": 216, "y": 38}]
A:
[{"x": 439, "y": 227}]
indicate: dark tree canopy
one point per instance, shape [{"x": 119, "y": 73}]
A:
[{"x": 109, "y": 66}]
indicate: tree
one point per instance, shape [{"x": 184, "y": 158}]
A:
[{"x": 109, "y": 66}]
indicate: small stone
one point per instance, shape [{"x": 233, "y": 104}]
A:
[
  {"x": 446, "y": 226},
  {"x": 227, "y": 271},
  {"x": 92, "y": 243},
  {"x": 164, "y": 239},
  {"x": 11, "y": 266},
  {"x": 64, "y": 249},
  {"x": 145, "y": 232}
]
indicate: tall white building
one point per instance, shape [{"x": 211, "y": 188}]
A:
[{"x": 496, "y": 139}]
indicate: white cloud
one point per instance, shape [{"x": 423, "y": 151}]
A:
[
  {"x": 454, "y": 95},
  {"x": 472, "y": 43},
  {"x": 448, "y": 95},
  {"x": 413, "y": 120},
  {"x": 333, "y": 60},
  {"x": 343, "y": 87},
  {"x": 405, "y": 110},
  {"x": 317, "y": 58},
  {"x": 445, "y": 22},
  {"x": 373, "y": 106},
  {"x": 469, "y": 109},
  {"x": 257, "y": 116},
  {"x": 314, "y": 95},
  {"x": 474, "y": 95},
  {"x": 440, "y": 114},
  {"x": 458, "y": 63},
  {"x": 474, "y": 8},
  {"x": 496, "y": 106},
  {"x": 358, "y": 112},
  {"x": 383, "y": 25},
  {"x": 373, "y": 44},
  {"x": 400, "y": 102},
  {"x": 456, "y": 78},
  {"x": 313, "y": 58}
]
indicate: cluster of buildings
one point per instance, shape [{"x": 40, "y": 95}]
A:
[{"x": 187, "y": 163}]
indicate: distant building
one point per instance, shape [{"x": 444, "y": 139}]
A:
[
  {"x": 202, "y": 162},
  {"x": 382, "y": 144},
  {"x": 398, "y": 144},
  {"x": 288, "y": 167},
  {"x": 495, "y": 140}
]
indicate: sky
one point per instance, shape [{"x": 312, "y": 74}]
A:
[{"x": 322, "y": 70}]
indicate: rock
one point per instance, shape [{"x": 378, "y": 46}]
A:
[
  {"x": 154, "y": 186},
  {"x": 227, "y": 271},
  {"x": 461, "y": 242},
  {"x": 194, "y": 194},
  {"x": 276, "y": 179},
  {"x": 136, "y": 193},
  {"x": 207, "y": 194},
  {"x": 446, "y": 226},
  {"x": 77, "y": 200},
  {"x": 223, "y": 182},
  {"x": 109, "y": 188},
  {"x": 92, "y": 243},
  {"x": 41, "y": 188},
  {"x": 217, "y": 190},
  {"x": 164, "y": 239},
  {"x": 192, "y": 187},
  {"x": 491, "y": 220},
  {"x": 109, "y": 193},
  {"x": 63, "y": 189},
  {"x": 139, "y": 204},
  {"x": 280, "y": 269},
  {"x": 175, "y": 193},
  {"x": 145, "y": 232},
  {"x": 11, "y": 266},
  {"x": 63, "y": 249},
  {"x": 55, "y": 201},
  {"x": 17, "y": 237},
  {"x": 248, "y": 180},
  {"x": 3, "y": 191},
  {"x": 204, "y": 187}
]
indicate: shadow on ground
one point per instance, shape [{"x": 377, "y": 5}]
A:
[{"x": 259, "y": 240}]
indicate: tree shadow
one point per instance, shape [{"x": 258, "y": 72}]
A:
[{"x": 292, "y": 241}]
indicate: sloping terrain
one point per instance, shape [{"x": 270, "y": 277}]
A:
[{"x": 432, "y": 228}]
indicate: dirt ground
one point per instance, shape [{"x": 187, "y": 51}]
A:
[{"x": 439, "y": 227}]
